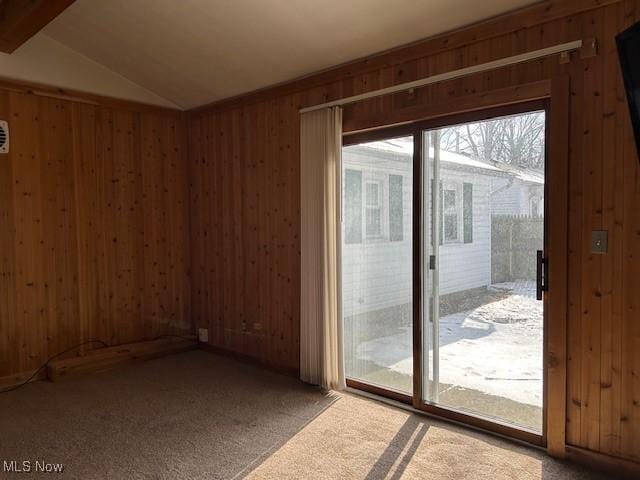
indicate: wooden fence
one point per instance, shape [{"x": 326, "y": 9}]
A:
[{"x": 514, "y": 241}]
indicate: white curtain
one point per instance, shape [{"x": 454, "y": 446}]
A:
[{"x": 321, "y": 361}]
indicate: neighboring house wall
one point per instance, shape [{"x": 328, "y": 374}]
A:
[
  {"x": 377, "y": 274},
  {"x": 468, "y": 265},
  {"x": 506, "y": 196},
  {"x": 512, "y": 196}
]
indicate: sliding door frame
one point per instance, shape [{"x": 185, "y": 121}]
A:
[{"x": 555, "y": 102}]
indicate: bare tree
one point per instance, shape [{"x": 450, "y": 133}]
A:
[{"x": 516, "y": 140}]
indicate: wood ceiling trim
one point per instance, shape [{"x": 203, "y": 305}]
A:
[
  {"x": 31, "y": 88},
  {"x": 22, "y": 19}
]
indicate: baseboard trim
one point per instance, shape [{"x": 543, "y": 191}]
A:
[
  {"x": 241, "y": 357},
  {"x": 620, "y": 467},
  {"x": 107, "y": 358}
]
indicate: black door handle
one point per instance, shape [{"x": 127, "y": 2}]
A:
[{"x": 541, "y": 275}]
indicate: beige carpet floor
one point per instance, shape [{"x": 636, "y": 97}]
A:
[{"x": 200, "y": 416}]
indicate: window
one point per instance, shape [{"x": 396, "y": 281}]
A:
[
  {"x": 451, "y": 206},
  {"x": 373, "y": 206},
  {"x": 456, "y": 212},
  {"x": 536, "y": 206},
  {"x": 373, "y": 209}
]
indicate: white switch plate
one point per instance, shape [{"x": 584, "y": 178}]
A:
[
  {"x": 599, "y": 241},
  {"x": 203, "y": 335}
]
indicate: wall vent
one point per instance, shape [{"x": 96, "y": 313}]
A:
[{"x": 4, "y": 137}]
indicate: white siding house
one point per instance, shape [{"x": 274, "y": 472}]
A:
[
  {"x": 376, "y": 269},
  {"x": 377, "y": 224},
  {"x": 466, "y": 265}
]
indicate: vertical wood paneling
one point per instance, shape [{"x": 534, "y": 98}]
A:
[
  {"x": 630, "y": 375},
  {"x": 164, "y": 225},
  {"x": 78, "y": 200},
  {"x": 574, "y": 298},
  {"x": 87, "y": 218},
  {"x": 612, "y": 281},
  {"x": 8, "y": 325},
  {"x": 591, "y": 265},
  {"x": 30, "y": 347},
  {"x": 126, "y": 217},
  {"x": 58, "y": 223},
  {"x": 245, "y": 241},
  {"x": 248, "y": 150}
]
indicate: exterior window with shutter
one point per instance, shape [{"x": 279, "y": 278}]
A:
[
  {"x": 373, "y": 206},
  {"x": 456, "y": 212}
]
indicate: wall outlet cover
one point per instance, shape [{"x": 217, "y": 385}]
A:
[{"x": 203, "y": 335}]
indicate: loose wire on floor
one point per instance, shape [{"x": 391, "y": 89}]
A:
[{"x": 46, "y": 364}]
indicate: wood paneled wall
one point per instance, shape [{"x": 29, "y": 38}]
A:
[
  {"x": 244, "y": 160},
  {"x": 245, "y": 241},
  {"x": 94, "y": 227}
]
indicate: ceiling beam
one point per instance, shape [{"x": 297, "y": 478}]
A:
[{"x": 22, "y": 19}]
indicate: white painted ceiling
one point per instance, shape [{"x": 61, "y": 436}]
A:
[{"x": 192, "y": 52}]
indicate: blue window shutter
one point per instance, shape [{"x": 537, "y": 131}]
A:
[
  {"x": 395, "y": 208},
  {"x": 441, "y": 213},
  {"x": 352, "y": 206},
  {"x": 467, "y": 212}
]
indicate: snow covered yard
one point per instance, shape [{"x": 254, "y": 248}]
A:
[{"x": 495, "y": 349}]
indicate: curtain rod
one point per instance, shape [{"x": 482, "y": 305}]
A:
[{"x": 453, "y": 74}]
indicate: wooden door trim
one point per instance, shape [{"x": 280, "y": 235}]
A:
[
  {"x": 500, "y": 97},
  {"x": 556, "y": 249},
  {"x": 379, "y": 391},
  {"x": 489, "y": 426},
  {"x": 417, "y": 266}
]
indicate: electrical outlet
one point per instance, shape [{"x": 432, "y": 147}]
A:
[{"x": 203, "y": 335}]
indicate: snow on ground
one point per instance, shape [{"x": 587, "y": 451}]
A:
[{"x": 496, "y": 348}]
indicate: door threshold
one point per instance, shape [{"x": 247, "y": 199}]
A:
[{"x": 410, "y": 408}]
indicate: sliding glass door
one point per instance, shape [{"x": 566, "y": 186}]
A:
[
  {"x": 483, "y": 328},
  {"x": 469, "y": 258}
]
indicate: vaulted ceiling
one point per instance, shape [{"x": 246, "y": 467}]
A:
[{"x": 192, "y": 52}]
